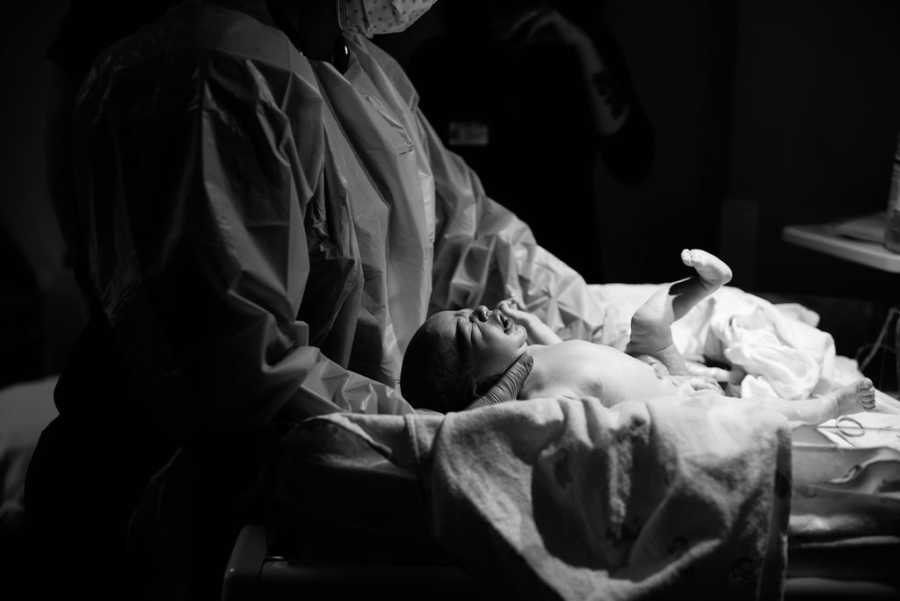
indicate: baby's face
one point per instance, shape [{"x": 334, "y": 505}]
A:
[{"x": 492, "y": 341}]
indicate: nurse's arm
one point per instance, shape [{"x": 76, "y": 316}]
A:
[{"x": 205, "y": 304}]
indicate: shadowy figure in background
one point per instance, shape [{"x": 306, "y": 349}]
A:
[
  {"x": 87, "y": 28},
  {"x": 96, "y": 475},
  {"x": 536, "y": 105}
]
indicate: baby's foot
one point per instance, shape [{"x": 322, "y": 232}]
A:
[
  {"x": 713, "y": 271},
  {"x": 855, "y": 397}
]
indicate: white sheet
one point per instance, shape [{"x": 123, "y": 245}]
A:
[{"x": 779, "y": 347}]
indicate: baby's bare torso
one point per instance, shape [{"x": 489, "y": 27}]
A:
[{"x": 576, "y": 368}]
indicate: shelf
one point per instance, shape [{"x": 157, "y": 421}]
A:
[{"x": 824, "y": 239}]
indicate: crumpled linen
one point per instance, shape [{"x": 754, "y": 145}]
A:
[
  {"x": 561, "y": 498},
  {"x": 778, "y": 346}
]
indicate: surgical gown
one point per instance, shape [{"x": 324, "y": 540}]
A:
[{"x": 265, "y": 232}]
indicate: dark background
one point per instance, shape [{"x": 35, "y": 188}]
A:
[{"x": 766, "y": 113}]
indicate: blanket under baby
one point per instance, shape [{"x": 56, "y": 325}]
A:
[
  {"x": 778, "y": 347},
  {"x": 568, "y": 499}
]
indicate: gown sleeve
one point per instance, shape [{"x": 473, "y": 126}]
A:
[{"x": 197, "y": 199}]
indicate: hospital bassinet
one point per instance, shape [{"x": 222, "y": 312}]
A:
[
  {"x": 372, "y": 541},
  {"x": 852, "y": 569}
]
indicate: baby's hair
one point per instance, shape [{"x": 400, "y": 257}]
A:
[{"x": 437, "y": 374}]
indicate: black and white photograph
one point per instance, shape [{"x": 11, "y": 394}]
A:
[{"x": 433, "y": 300}]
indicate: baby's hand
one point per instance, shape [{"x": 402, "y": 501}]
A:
[
  {"x": 684, "y": 383},
  {"x": 659, "y": 368},
  {"x": 510, "y": 307},
  {"x": 688, "y": 384},
  {"x": 538, "y": 332},
  {"x": 711, "y": 373}
]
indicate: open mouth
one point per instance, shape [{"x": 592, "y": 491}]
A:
[{"x": 505, "y": 322}]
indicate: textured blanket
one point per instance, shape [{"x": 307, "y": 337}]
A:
[{"x": 564, "y": 499}]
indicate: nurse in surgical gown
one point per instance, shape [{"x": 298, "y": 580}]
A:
[{"x": 263, "y": 231}]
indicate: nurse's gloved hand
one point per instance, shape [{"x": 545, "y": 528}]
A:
[
  {"x": 538, "y": 332},
  {"x": 509, "y": 385}
]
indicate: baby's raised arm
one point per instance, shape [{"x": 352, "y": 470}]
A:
[{"x": 538, "y": 332}]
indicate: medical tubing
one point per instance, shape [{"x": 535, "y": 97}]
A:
[{"x": 879, "y": 341}]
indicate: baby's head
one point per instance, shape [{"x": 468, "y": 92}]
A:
[{"x": 457, "y": 355}]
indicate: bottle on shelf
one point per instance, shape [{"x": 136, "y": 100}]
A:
[{"x": 892, "y": 227}]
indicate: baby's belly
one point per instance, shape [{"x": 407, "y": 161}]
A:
[{"x": 634, "y": 382}]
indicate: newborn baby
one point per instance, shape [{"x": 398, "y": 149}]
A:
[{"x": 456, "y": 356}]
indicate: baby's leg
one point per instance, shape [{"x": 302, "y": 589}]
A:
[
  {"x": 651, "y": 323},
  {"x": 852, "y": 398}
]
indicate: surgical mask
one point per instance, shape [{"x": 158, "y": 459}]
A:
[{"x": 376, "y": 17}]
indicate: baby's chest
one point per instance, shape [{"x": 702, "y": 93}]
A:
[{"x": 572, "y": 371}]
